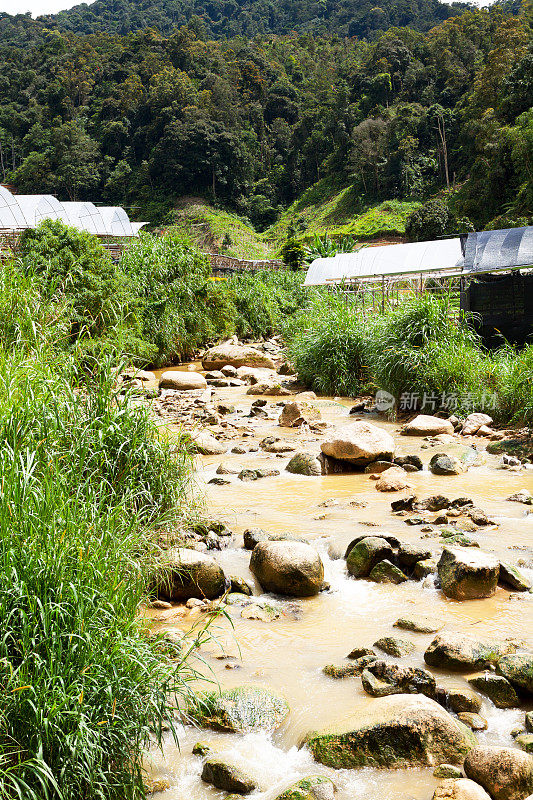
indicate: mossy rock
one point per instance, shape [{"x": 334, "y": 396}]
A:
[
  {"x": 239, "y": 710},
  {"x": 518, "y": 669},
  {"x": 396, "y": 732},
  {"x": 315, "y": 787}
]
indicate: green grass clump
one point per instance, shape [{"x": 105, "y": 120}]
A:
[
  {"x": 84, "y": 478},
  {"x": 419, "y": 348}
]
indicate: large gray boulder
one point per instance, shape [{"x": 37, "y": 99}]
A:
[
  {"x": 506, "y": 773},
  {"x": 229, "y": 777},
  {"x": 290, "y": 568},
  {"x": 394, "y": 732},
  {"x": 188, "y": 573},
  {"x": 443, "y": 464},
  {"x": 235, "y": 355},
  {"x": 424, "y": 425},
  {"x": 467, "y": 573},
  {"x": 182, "y": 381},
  {"x": 459, "y": 653},
  {"x": 304, "y": 464},
  {"x": 360, "y": 444}
]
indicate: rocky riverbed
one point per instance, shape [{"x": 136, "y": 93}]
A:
[{"x": 376, "y": 633}]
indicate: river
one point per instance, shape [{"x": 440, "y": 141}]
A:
[{"x": 288, "y": 654}]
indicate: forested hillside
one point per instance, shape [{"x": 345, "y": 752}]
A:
[
  {"x": 143, "y": 119},
  {"x": 227, "y": 18}
]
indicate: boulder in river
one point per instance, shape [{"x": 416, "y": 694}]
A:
[
  {"x": 393, "y": 480},
  {"x": 460, "y": 789},
  {"x": 506, "y": 773},
  {"x": 518, "y": 669},
  {"x": 235, "y": 355},
  {"x": 253, "y": 536},
  {"x": 460, "y": 653},
  {"x": 394, "y": 732},
  {"x": 387, "y": 572},
  {"x": 366, "y": 554},
  {"x": 497, "y": 688},
  {"x": 443, "y": 464},
  {"x": 513, "y": 578},
  {"x": 474, "y": 422},
  {"x": 304, "y": 464},
  {"x": 188, "y": 573},
  {"x": 467, "y": 573},
  {"x": 206, "y": 444},
  {"x": 425, "y": 425},
  {"x": 294, "y": 415},
  {"x": 289, "y": 568},
  {"x": 315, "y": 787},
  {"x": 239, "y": 710},
  {"x": 227, "y": 776},
  {"x": 360, "y": 444},
  {"x": 182, "y": 381}
]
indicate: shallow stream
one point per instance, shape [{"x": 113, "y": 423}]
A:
[{"x": 288, "y": 654}]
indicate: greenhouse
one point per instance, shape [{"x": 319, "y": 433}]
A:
[
  {"x": 478, "y": 252},
  {"x": 21, "y": 211}
]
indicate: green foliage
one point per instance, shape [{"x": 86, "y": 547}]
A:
[
  {"x": 417, "y": 349},
  {"x": 346, "y": 18},
  {"x": 148, "y": 104},
  {"x": 435, "y": 220},
  {"x": 327, "y": 345},
  {"x": 293, "y": 253},
  {"x": 83, "y": 688},
  {"x": 181, "y": 307},
  {"x": 324, "y": 247},
  {"x": 72, "y": 265}
]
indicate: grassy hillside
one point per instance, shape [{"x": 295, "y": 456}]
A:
[
  {"x": 337, "y": 210},
  {"x": 324, "y": 208},
  {"x": 214, "y": 230}
]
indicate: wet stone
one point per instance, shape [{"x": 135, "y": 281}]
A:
[
  {"x": 474, "y": 721},
  {"x": 387, "y": 572},
  {"x": 447, "y": 771},
  {"x": 462, "y": 699},
  {"x": 496, "y": 688},
  {"x": 394, "y": 646},
  {"x": 419, "y": 624}
]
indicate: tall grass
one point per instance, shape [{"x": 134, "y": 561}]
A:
[
  {"x": 183, "y": 308},
  {"x": 84, "y": 480},
  {"x": 417, "y": 349}
]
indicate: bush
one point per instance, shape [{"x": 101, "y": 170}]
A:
[
  {"x": 180, "y": 306},
  {"x": 83, "y": 690},
  {"x": 435, "y": 220},
  {"x": 293, "y": 253},
  {"x": 327, "y": 343},
  {"x": 73, "y": 265}
]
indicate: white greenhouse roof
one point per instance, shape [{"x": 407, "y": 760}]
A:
[
  {"x": 36, "y": 207},
  {"x": 388, "y": 260},
  {"x": 28, "y": 210},
  {"x": 11, "y": 216},
  {"x": 85, "y": 216},
  {"x": 116, "y": 221}
]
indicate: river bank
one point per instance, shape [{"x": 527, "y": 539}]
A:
[{"x": 288, "y": 653}]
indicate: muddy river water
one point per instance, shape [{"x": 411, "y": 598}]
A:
[{"x": 288, "y": 654}]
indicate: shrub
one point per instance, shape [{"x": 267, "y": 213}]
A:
[
  {"x": 293, "y": 254},
  {"x": 327, "y": 343},
  {"x": 83, "y": 689},
  {"x": 73, "y": 265},
  {"x": 434, "y": 220}
]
